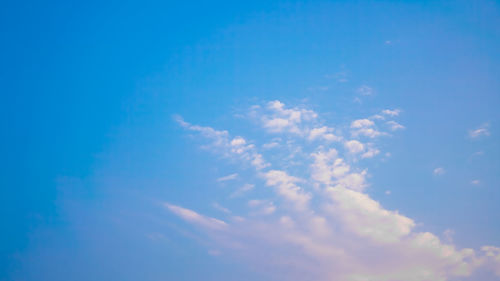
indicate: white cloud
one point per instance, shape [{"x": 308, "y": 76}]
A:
[
  {"x": 228, "y": 177},
  {"x": 354, "y": 146},
  {"x": 395, "y": 125},
  {"x": 238, "y": 141},
  {"x": 327, "y": 165},
  {"x": 194, "y": 217},
  {"x": 372, "y": 152},
  {"x": 329, "y": 169},
  {"x": 236, "y": 147},
  {"x": 367, "y": 132},
  {"x": 324, "y": 132},
  {"x": 284, "y": 119},
  {"x": 319, "y": 224},
  {"x": 220, "y": 138},
  {"x": 362, "y": 123},
  {"x": 286, "y": 187},
  {"x": 393, "y": 112},
  {"x": 377, "y": 117},
  {"x": 258, "y": 162},
  {"x": 438, "y": 171},
  {"x": 277, "y": 125},
  {"x": 482, "y": 130},
  {"x": 355, "y": 181},
  {"x": 492, "y": 258},
  {"x": 365, "y": 217},
  {"x": 364, "y": 127},
  {"x": 277, "y": 118}
]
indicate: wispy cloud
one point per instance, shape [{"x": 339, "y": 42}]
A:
[
  {"x": 438, "y": 171},
  {"x": 194, "y": 217},
  {"x": 228, "y": 177},
  {"x": 475, "y": 182},
  {"x": 478, "y": 153},
  {"x": 395, "y": 125},
  {"x": 270, "y": 145},
  {"x": 481, "y": 131},
  {"x": 365, "y": 90},
  {"x": 221, "y": 208},
  {"x": 230, "y": 147},
  {"x": 372, "y": 152},
  {"x": 261, "y": 207},
  {"x": 245, "y": 188},
  {"x": 340, "y": 77}
]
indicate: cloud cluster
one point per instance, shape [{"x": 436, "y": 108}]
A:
[
  {"x": 276, "y": 118},
  {"x": 230, "y": 147},
  {"x": 318, "y": 223}
]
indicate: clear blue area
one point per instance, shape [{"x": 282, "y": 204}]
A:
[{"x": 90, "y": 149}]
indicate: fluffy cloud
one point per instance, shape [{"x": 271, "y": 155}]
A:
[
  {"x": 365, "y": 217},
  {"x": 354, "y": 146},
  {"x": 367, "y": 132},
  {"x": 364, "y": 127},
  {"x": 284, "y": 119},
  {"x": 314, "y": 220},
  {"x": 329, "y": 169},
  {"x": 362, "y": 123},
  {"x": 276, "y": 118},
  {"x": 389, "y": 112},
  {"x": 287, "y": 188},
  {"x": 323, "y": 133},
  {"x": 492, "y": 258}
]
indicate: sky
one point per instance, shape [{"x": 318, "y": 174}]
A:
[{"x": 271, "y": 140}]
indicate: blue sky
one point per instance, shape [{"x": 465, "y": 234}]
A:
[{"x": 261, "y": 141}]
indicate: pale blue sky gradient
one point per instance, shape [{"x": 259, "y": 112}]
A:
[{"x": 92, "y": 149}]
